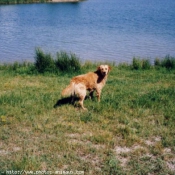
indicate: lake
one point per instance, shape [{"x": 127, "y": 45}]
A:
[{"x": 97, "y": 30}]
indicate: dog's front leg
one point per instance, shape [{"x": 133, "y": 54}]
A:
[{"x": 98, "y": 94}]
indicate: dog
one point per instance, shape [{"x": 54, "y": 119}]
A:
[{"x": 92, "y": 81}]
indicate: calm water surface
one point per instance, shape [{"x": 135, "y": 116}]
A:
[{"x": 113, "y": 30}]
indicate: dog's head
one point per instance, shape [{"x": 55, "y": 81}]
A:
[{"x": 104, "y": 69}]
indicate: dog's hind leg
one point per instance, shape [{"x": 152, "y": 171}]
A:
[
  {"x": 80, "y": 91},
  {"x": 81, "y": 102}
]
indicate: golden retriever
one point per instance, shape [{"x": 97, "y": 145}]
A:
[{"x": 92, "y": 81}]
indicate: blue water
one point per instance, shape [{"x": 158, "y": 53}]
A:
[{"x": 98, "y": 30}]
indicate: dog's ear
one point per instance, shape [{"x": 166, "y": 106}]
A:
[
  {"x": 109, "y": 68},
  {"x": 98, "y": 68}
]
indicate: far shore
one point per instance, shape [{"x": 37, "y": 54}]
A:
[
  {"x": 6, "y": 2},
  {"x": 64, "y": 1},
  {"x": 54, "y": 1}
]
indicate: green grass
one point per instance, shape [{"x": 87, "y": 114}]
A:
[{"x": 131, "y": 131}]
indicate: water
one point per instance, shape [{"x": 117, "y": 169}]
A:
[{"x": 98, "y": 30}]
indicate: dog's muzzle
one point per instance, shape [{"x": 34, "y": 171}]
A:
[{"x": 104, "y": 73}]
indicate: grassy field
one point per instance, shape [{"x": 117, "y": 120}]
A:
[{"x": 131, "y": 131}]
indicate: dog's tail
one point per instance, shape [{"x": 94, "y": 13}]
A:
[{"x": 68, "y": 91}]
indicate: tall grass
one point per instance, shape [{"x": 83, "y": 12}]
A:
[
  {"x": 138, "y": 64},
  {"x": 142, "y": 64},
  {"x": 70, "y": 63},
  {"x": 168, "y": 62},
  {"x": 64, "y": 62},
  {"x": 67, "y": 62},
  {"x": 44, "y": 62}
]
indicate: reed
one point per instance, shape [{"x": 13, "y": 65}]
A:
[
  {"x": 64, "y": 62},
  {"x": 70, "y": 63},
  {"x": 138, "y": 64},
  {"x": 168, "y": 62},
  {"x": 44, "y": 62},
  {"x": 67, "y": 62}
]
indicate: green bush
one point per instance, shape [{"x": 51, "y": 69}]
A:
[
  {"x": 64, "y": 62},
  {"x": 136, "y": 64},
  {"x": 157, "y": 62},
  {"x": 67, "y": 62},
  {"x": 146, "y": 64},
  {"x": 44, "y": 62},
  {"x": 168, "y": 62}
]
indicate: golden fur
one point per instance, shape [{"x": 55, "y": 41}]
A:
[{"x": 92, "y": 81}]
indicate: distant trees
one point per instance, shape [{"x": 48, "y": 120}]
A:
[{"x": 21, "y": 1}]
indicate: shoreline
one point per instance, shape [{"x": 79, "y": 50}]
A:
[
  {"x": 54, "y": 1},
  {"x": 38, "y": 1}
]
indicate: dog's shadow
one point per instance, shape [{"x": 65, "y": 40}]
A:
[
  {"x": 68, "y": 100},
  {"x": 64, "y": 101}
]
